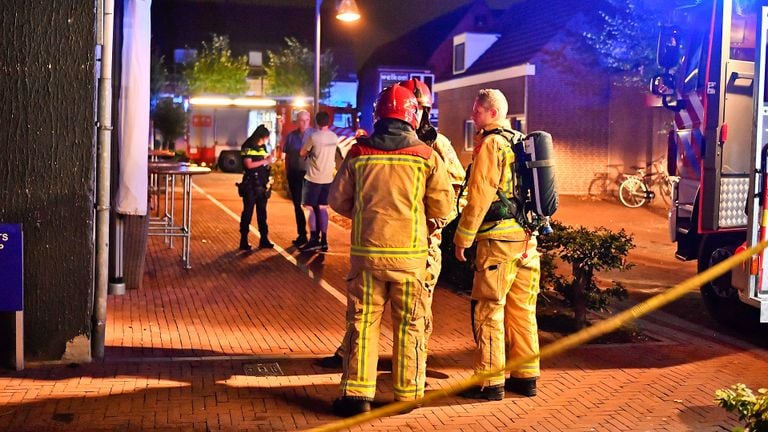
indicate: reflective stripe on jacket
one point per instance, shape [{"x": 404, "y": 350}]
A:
[
  {"x": 491, "y": 171},
  {"x": 389, "y": 194}
]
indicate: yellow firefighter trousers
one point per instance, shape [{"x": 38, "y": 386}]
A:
[
  {"x": 504, "y": 293},
  {"x": 367, "y": 293},
  {"x": 434, "y": 264}
]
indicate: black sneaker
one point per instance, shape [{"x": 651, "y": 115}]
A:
[
  {"x": 324, "y": 246},
  {"x": 348, "y": 407},
  {"x": 521, "y": 386},
  {"x": 491, "y": 393},
  {"x": 300, "y": 240},
  {"x": 333, "y": 362},
  {"x": 264, "y": 243},
  {"x": 245, "y": 247},
  {"x": 311, "y": 246}
]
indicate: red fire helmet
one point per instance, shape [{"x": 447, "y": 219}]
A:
[
  {"x": 397, "y": 102},
  {"x": 420, "y": 90}
]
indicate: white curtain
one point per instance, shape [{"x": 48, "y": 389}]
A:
[{"x": 133, "y": 124}]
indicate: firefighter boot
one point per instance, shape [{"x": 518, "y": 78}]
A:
[
  {"x": 313, "y": 244},
  {"x": 521, "y": 386},
  {"x": 491, "y": 393},
  {"x": 244, "y": 246},
  {"x": 348, "y": 407}
]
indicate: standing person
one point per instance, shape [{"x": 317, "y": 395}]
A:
[
  {"x": 254, "y": 187},
  {"x": 319, "y": 150},
  {"x": 389, "y": 185},
  {"x": 442, "y": 146},
  {"x": 506, "y": 281},
  {"x": 295, "y": 170}
]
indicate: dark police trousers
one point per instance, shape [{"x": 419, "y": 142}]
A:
[{"x": 254, "y": 194}]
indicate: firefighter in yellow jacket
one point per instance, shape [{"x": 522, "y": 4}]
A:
[
  {"x": 389, "y": 185},
  {"x": 506, "y": 281},
  {"x": 442, "y": 146}
]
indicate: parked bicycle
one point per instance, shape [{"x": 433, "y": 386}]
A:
[{"x": 636, "y": 189}]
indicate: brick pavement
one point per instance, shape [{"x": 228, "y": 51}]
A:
[{"x": 177, "y": 351}]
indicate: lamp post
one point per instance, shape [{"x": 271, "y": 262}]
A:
[{"x": 347, "y": 11}]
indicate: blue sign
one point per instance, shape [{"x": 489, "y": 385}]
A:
[{"x": 11, "y": 268}]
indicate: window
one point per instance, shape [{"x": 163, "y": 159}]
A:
[
  {"x": 517, "y": 121},
  {"x": 184, "y": 55},
  {"x": 469, "y": 135},
  {"x": 255, "y": 58},
  {"x": 458, "y": 57}
]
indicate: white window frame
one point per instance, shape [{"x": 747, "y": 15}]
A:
[{"x": 469, "y": 135}]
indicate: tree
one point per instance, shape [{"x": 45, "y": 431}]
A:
[
  {"x": 216, "y": 71},
  {"x": 291, "y": 70},
  {"x": 158, "y": 76},
  {"x": 171, "y": 120},
  {"x": 624, "y": 39}
]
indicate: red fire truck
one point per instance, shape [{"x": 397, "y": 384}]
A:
[{"x": 714, "y": 57}]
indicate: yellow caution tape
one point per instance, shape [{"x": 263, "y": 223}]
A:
[{"x": 560, "y": 345}]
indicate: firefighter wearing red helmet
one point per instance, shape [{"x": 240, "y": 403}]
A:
[
  {"x": 389, "y": 184},
  {"x": 442, "y": 146}
]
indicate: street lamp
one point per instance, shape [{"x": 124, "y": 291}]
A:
[{"x": 345, "y": 11}]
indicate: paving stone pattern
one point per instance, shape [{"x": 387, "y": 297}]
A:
[{"x": 176, "y": 352}]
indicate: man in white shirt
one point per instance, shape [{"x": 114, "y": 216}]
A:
[{"x": 320, "y": 151}]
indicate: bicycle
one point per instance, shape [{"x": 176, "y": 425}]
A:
[
  {"x": 635, "y": 189},
  {"x": 605, "y": 184}
]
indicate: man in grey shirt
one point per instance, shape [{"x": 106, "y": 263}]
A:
[{"x": 320, "y": 151}]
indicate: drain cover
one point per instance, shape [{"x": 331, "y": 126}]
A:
[{"x": 263, "y": 369}]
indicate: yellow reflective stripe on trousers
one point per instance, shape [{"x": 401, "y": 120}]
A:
[
  {"x": 367, "y": 251},
  {"x": 362, "y": 386},
  {"x": 403, "y": 331},
  {"x": 362, "y": 359}
]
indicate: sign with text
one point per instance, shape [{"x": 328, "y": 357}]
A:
[
  {"x": 199, "y": 120},
  {"x": 11, "y": 268}
]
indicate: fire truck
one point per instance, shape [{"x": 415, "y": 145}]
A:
[{"x": 714, "y": 60}]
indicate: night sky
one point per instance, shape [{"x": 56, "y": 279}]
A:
[{"x": 269, "y": 21}]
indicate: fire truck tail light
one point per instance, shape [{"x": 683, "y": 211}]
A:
[
  {"x": 754, "y": 268},
  {"x": 724, "y": 133}
]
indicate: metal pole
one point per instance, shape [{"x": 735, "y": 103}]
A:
[
  {"x": 316, "y": 100},
  {"x": 103, "y": 156}
]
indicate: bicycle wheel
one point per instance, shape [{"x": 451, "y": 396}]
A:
[{"x": 632, "y": 192}]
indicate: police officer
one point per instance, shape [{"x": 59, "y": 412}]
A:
[
  {"x": 507, "y": 267},
  {"x": 255, "y": 186},
  {"x": 389, "y": 185}
]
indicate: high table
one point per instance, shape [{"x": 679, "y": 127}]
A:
[{"x": 165, "y": 225}]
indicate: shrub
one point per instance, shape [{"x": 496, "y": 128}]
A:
[
  {"x": 752, "y": 409},
  {"x": 588, "y": 251}
]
